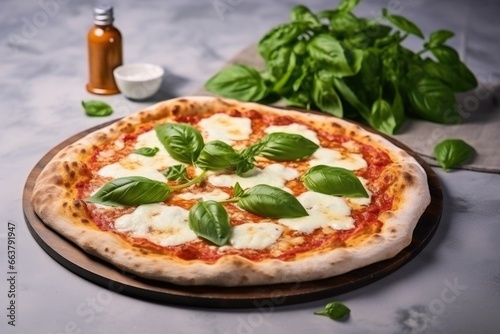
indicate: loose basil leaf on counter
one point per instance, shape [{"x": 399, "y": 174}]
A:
[
  {"x": 147, "y": 151},
  {"x": 97, "y": 108},
  {"x": 176, "y": 173},
  {"x": 272, "y": 202},
  {"x": 281, "y": 146},
  {"x": 182, "y": 141},
  {"x": 131, "y": 191},
  {"x": 217, "y": 155},
  {"x": 209, "y": 220},
  {"x": 335, "y": 311},
  {"x": 333, "y": 181},
  {"x": 452, "y": 152}
]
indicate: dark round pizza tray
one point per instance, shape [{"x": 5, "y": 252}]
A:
[{"x": 97, "y": 271}]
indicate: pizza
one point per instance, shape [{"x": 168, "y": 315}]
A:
[{"x": 209, "y": 191}]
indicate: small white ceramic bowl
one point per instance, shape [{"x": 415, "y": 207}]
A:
[{"x": 138, "y": 81}]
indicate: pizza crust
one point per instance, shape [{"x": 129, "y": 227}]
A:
[{"x": 54, "y": 202}]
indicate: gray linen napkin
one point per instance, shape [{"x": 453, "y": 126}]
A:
[{"x": 480, "y": 126}]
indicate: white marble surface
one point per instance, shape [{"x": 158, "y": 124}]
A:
[{"x": 453, "y": 286}]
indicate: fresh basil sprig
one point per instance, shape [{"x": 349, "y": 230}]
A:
[
  {"x": 452, "y": 152},
  {"x": 353, "y": 67},
  {"x": 280, "y": 146},
  {"x": 131, "y": 191},
  {"x": 147, "y": 151},
  {"x": 176, "y": 173},
  {"x": 335, "y": 311},
  {"x": 335, "y": 181},
  {"x": 209, "y": 220},
  {"x": 267, "y": 201},
  {"x": 217, "y": 155},
  {"x": 182, "y": 141},
  {"x": 97, "y": 108}
]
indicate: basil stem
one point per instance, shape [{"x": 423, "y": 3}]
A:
[
  {"x": 209, "y": 220},
  {"x": 333, "y": 181},
  {"x": 131, "y": 191}
]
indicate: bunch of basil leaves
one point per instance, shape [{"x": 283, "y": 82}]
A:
[{"x": 353, "y": 67}]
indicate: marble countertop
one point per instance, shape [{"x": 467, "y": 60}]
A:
[{"x": 452, "y": 286}]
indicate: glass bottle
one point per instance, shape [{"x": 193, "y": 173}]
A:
[{"x": 104, "y": 43}]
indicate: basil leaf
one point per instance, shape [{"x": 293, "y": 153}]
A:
[
  {"x": 329, "y": 51},
  {"x": 335, "y": 311},
  {"x": 147, "y": 151},
  {"x": 237, "y": 190},
  {"x": 351, "y": 98},
  {"x": 333, "y": 181},
  {"x": 282, "y": 64},
  {"x": 279, "y": 36},
  {"x": 247, "y": 158},
  {"x": 458, "y": 78},
  {"x": 403, "y": 23},
  {"x": 304, "y": 14},
  {"x": 382, "y": 117},
  {"x": 272, "y": 202},
  {"x": 176, "y": 173},
  {"x": 131, "y": 191},
  {"x": 182, "y": 141},
  {"x": 239, "y": 82},
  {"x": 326, "y": 98},
  {"x": 347, "y": 5},
  {"x": 209, "y": 220},
  {"x": 280, "y": 146},
  {"x": 434, "y": 101},
  {"x": 452, "y": 152},
  {"x": 438, "y": 37},
  {"x": 446, "y": 54},
  {"x": 97, "y": 108},
  {"x": 217, "y": 155}
]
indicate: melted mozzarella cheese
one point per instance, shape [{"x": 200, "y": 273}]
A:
[
  {"x": 324, "y": 211},
  {"x": 139, "y": 165},
  {"x": 127, "y": 168},
  {"x": 255, "y": 235},
  {"x": 214, "y": 195},
  {"x": 161, "y": 160},
  {"x": 332, "y": 157},
  {"x": 274, "y": 175},
  {"x": 226, "y": 128},
  {"x": 161, "y": 224},
  {"x": 294, "y": 128}
]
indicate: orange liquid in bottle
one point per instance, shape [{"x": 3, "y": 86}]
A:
[{"x": 104, "y": 42}]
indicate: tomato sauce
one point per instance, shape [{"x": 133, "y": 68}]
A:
[{"x": 366, "y": 218}]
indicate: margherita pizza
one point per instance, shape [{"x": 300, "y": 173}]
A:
[{"x": 206, "y": 191}]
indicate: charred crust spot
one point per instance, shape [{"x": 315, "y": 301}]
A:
[
  {"x": 65, "y": 204},
  {"x": 77, "y": 204},
  {"x": 75, "y": 214},
  {"x": 176, "y": 109},
  {"x": 408, "y": 178},
  {"x": 106, "y": 249},
  {"x": 66, "y": 167},
  {"x": 392, "y": 230},
  {"x": 144, "y": 252},
  {"x": 72, "y": 174},
  {"x": 85, "y": 221},
  {"x": 244, "y": 278},
  {"x": 352, "y": 133},
  {"x": 74, "y": 164},
  {"x": 83, "y": 151},
  {"x": 58, "y": 180}
]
